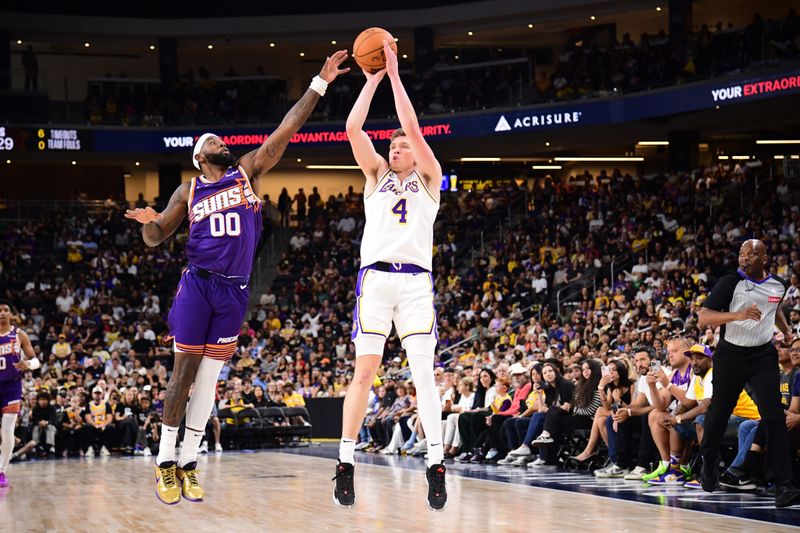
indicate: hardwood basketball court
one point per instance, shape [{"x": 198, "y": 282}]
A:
[{"x": 290, "y": 490}]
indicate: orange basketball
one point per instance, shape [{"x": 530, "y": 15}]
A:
[{"x": 368, "y": 49}]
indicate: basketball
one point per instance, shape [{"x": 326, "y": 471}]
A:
[{"x": 368, "y": 49}]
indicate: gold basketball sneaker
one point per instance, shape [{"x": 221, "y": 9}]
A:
[
  {"x": 189, "y": 483},
  {"x": 167, "y": 488}
]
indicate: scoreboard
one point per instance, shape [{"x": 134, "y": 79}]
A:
[{"x": 45, "y": 139}]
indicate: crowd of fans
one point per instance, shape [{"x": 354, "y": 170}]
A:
[
  {"x": 584, "y": 68},
  {"x": 93, "y": 300},
  {"x": 227, "y": 100}
]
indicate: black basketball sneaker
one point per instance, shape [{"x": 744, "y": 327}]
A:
[
  {"x": 437, "y": 492},
  {"x": 343, "y": 492}
]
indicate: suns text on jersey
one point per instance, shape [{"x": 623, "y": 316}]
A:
[
  {"x": 9, "y": 348},
  {"x": 239, "y": 194}
]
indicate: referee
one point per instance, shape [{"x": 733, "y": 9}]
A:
[{"x": 746, "y": 304}]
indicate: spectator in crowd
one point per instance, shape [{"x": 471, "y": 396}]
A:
[
  {"x": 494, "y": 446},
  {"x": 557, "y": 391},
  {"x": 98, "y": 417},
  {"x": 126, "y": 417},
  {"x": 615, "y": 394},
  {"x": 673, "y": 390},
  {"x": 473, "y": 421},
  {"x": 622, "y": 425},
  {"x": 71, "y": 428},
  {"x": 451, "y": 442},
  {"x": 515, "y": 428},
  {"x": 578, "y": 413},
  {"x": 43, "y": 420}
]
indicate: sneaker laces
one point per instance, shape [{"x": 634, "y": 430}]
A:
[
  {"x": 167, "y": 476},
  {"x": 343, "y": 473},
  {"x": 191, "y": 475}
]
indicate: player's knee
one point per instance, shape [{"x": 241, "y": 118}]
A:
[
  {"x": 369, "y": 345},
  {"x": 420, "y": 345},
  {"x": 363, "y": 377}
]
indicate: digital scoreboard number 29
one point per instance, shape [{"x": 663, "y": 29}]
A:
[{"x": 6, "y": 143}]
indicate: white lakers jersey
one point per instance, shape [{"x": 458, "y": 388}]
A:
[{"x": 399, "y": 227}]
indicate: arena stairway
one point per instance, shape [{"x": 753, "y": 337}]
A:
[{"x": 265, "y": 265}]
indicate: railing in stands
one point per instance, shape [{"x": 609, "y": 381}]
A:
[
  {"x": 474, "y": 243},
  {"x": 536, "y": 307},
  {"x": 21, "y": 210},
  {"x": 574, "y": 287}
]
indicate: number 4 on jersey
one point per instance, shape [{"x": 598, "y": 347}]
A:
[{"x": 400, "y": 210}]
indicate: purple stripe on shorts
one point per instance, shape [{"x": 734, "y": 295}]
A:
[
  {"x": 356, "y": 319},
  {"x": 433, "y": 303}
]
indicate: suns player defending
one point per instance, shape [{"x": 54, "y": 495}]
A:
[
  {"x": 401, "y": 199},
  {"x": 13, "y": 343},
  {"x": 211, "y": 299}
]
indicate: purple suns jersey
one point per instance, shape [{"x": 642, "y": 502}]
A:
[
  {"x": 224, "y": 224},
  {"x": 10, "y": 354}
]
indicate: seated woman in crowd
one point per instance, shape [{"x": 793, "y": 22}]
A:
[
  {"x": 615, "y": 393},
  {"x": 557, "y": 390},
  {"x": 472, "y": 422},
  {"x": 466, "y": 388},
  {"x": 514, "y": 429},
  {"x": 575, "y": 414}
]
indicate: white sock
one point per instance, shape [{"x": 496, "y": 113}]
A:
[
  {"x": 347, "y": 451},
  {"x": 7, "y": 445},
  {"x": 166, "y": 448},
  {"x": 429, "y": 407},
  {"x": 191, "y": 442},
  {"x": 199, "y": 408}
]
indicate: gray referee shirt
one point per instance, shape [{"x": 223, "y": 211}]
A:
[{"x": 734, "y": 292}]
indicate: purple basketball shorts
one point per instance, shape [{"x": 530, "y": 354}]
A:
[{"x": 207, "y": 313}]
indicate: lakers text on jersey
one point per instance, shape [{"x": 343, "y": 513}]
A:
[{"x": 399, "y": 226}]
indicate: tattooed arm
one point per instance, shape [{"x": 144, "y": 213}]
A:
[
  {"x": 157, "y": 227},
  {"x": 268, "y": 154}
]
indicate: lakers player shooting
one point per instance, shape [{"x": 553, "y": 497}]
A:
[
  {"x": 212, "y": 295},
  {"x": 394, "y": 284},
  {"x": 16, "y": 356}
]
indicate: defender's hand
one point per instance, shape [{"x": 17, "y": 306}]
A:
[
  {"x": 142, "y": 216},
  {"x": 331, "y": 67}
]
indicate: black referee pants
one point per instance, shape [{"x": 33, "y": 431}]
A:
[{"x": 735, "y": 366}]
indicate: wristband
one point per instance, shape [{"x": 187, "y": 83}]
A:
[
  {"x": 318, "y": 85},
  {"x": 34, "y": 363},
  {"x": 629, "y": 412}
]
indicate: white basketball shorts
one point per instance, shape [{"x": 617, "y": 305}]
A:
[{"x": 404, "y": 298}]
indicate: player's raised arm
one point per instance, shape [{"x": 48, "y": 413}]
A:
[
  {"x": 426, "y": 161},
  {"x": 268, "y": 154},
  {"x": 159, "y": 226},
  {"x": 371, "y": 163}
]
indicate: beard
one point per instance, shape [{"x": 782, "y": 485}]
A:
[{"x": 221, "y": 160}]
